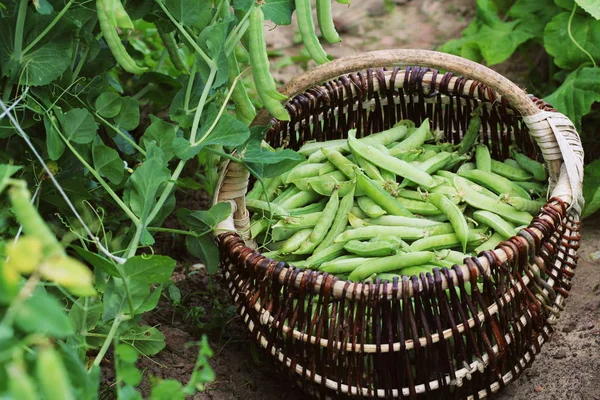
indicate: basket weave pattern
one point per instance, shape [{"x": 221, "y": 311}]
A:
[{"x": 410, "y": 337}]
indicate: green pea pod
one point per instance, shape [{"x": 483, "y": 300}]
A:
[
  {"x": 370, "y": 249},
  {"x": 414, "y": 141},
  {"x": 456, "y": 217},
  {"x": 369, "y": 232},
  {"x": 295, "y": 241},
  {"x": 322, "y": 227},
  {"x": 396, "y": 220},
  {"x": 471, "y": 135},
  {"x": 489, "y": 244},
  {"x": 326, "y": 254},
  {"x": 483, "y": 158},
  {"x": 496, "y": 222},
  {"x": 306, "y": 27},
  {"x": 496, "y": 183},
  {"x": 342, "y": 163},
  {"x": 530, "y": 206},
  {"x": 391, "y": 263},
  {"x": 20, "y": 385},
  {"x": 32, "y": 223},
  {"x": 325, "y": 19},
  {"x": 311, "y": 208},
  {"x": 510, "y": 172},
  {"x": 466, "y": 167},
  {"x": 370, "y": 207},
  {"x": 482, "y": 202},
  {"x": 381, "y": 197},
  {"x": 259, "y": 61},
  {"x": 418, "y": 207},
  {"x": 303, "y": 171},
  {"x": 113, "y": 41},
  {"x": 244, "y": 109},
  {"x": 344, "y": 264},
  {"x": 369, "y": 169},
  {"x": 390, "y": 163},
  {"x": 339, "y": 223},
  {"x": 447, "y": 241},
  {"x": 300, "y": 222},
  {"x": 266, "y": 207},
  {"x": 535, "y": 168},
  {"x": 300, "y": 199},
  {"x": 120, "y": 16},
  {"x": 51, "y": 375}
]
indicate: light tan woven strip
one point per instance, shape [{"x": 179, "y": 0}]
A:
[{"x": 558, "y": 139}]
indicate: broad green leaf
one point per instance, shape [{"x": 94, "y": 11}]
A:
[
  {"x": 42, "y": 313},
  {"x": 498, "y": 42},
  {"x": 591, "y": 188},
  {"x": 79, "y": 126},
  {"x": 557, "y": 42},
  {"x": 151, "y": 301},
  {"x": 143, "y": 186},
  {"x": 145, "y": 339},
  {"x": 591, "y": 6},
  {"x": 54, "y": 144},
  {"x": 178, "y": 111},
  {"x": 163, "y": 134},
  {"x": 149, "y": 269},
  {"x": 184, "y": 150},
  {"x": 189, "y": 12},
  {"x": 205, "y": 249},
  {"x": 243, "y": 5},
  {"x": 576, "y": 95},
  {"x": 202, "y": 221},
  {"x": 115, "y": 298},
  {"x": 43, "y": 7},
  {"x": 107, "y": 162},
  {"x": 97, "y": 261},
  {"x": 85, "y": 314},
  {"x": 44, "y": 64},
  {"x": 213, "y": 38},
  {"x": 109, "y": 104},
  {"x": 129, "y": 116},
  {"x": 534, "y": 15},
  {"x": 279, "y": 11}
]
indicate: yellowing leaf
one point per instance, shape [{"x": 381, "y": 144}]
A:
[
  {"x": 69, "y": 273},
  {"x": 25, "y": 255}
]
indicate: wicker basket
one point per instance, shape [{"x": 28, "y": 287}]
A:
[{"x": 407, "y": 338}]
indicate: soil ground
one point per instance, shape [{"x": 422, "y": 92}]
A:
[{"x": 567, "y": 368}]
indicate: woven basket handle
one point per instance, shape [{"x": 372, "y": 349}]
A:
[{"x": 554, "y": 133}]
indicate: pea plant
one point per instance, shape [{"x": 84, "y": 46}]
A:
[
  {"x": 112, "y": 113},
  {"x": 569, "y": 32}
]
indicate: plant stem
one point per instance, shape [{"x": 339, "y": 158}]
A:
[
  {"x": 118, "y": 132},
  {"x": 17, "y": 54},
  {"x": 96, "y": 175},
  {"x": 49, "y": 27},
  {"x": 580, "y": 47},
  {"x": 111, "y": 333},
  {"x": 188, "y": 89},
  {"x": 173, "y": 231}
]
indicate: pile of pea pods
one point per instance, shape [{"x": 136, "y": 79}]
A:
[{"x": 394, "y": 203}]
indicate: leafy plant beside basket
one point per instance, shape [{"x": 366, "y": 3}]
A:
[{"x": 569, "y": 32}]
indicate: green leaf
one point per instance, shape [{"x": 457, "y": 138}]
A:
[
  {"x": 115, "y": 298},
  {"x": 149, "y": 269},
  {"x": 6, "y": 171},
  {"x": 205, "y": 249},
  {"x": 109, "y": 104},
  {"x": 107, "y": 162},
  {"x": 43, "y": 7},
  {"x": 591, "y": 6},
  {"x": 85, "y": 314},
  {"x": 145, "y": 339},
  {"x": 167, "y": 389},
  {"x": 78, "y": 126},
  {"x": 43, "y": 314},
  {"x": 129, "y": 117},
  {"x": 97, "y": 261},
  {"x": 189, "y": 12},
  {"x": 534, "y": 15},
  {"x": 142, "y": 187},
  {"x": 44, "y": 64},
  {"x": 576, "y": 95},
  {"x": 151, "y": 301},
  {"x": 591, "y": 188},
  {"x": 557, "y": 42},
  {"x": 499, "y": 41},
  {"x": 163, "y": 134},
  {"x": 54, "y": 144},
  {"x": 279, "y": 11},
  {"x": 202, "y": 221}
]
